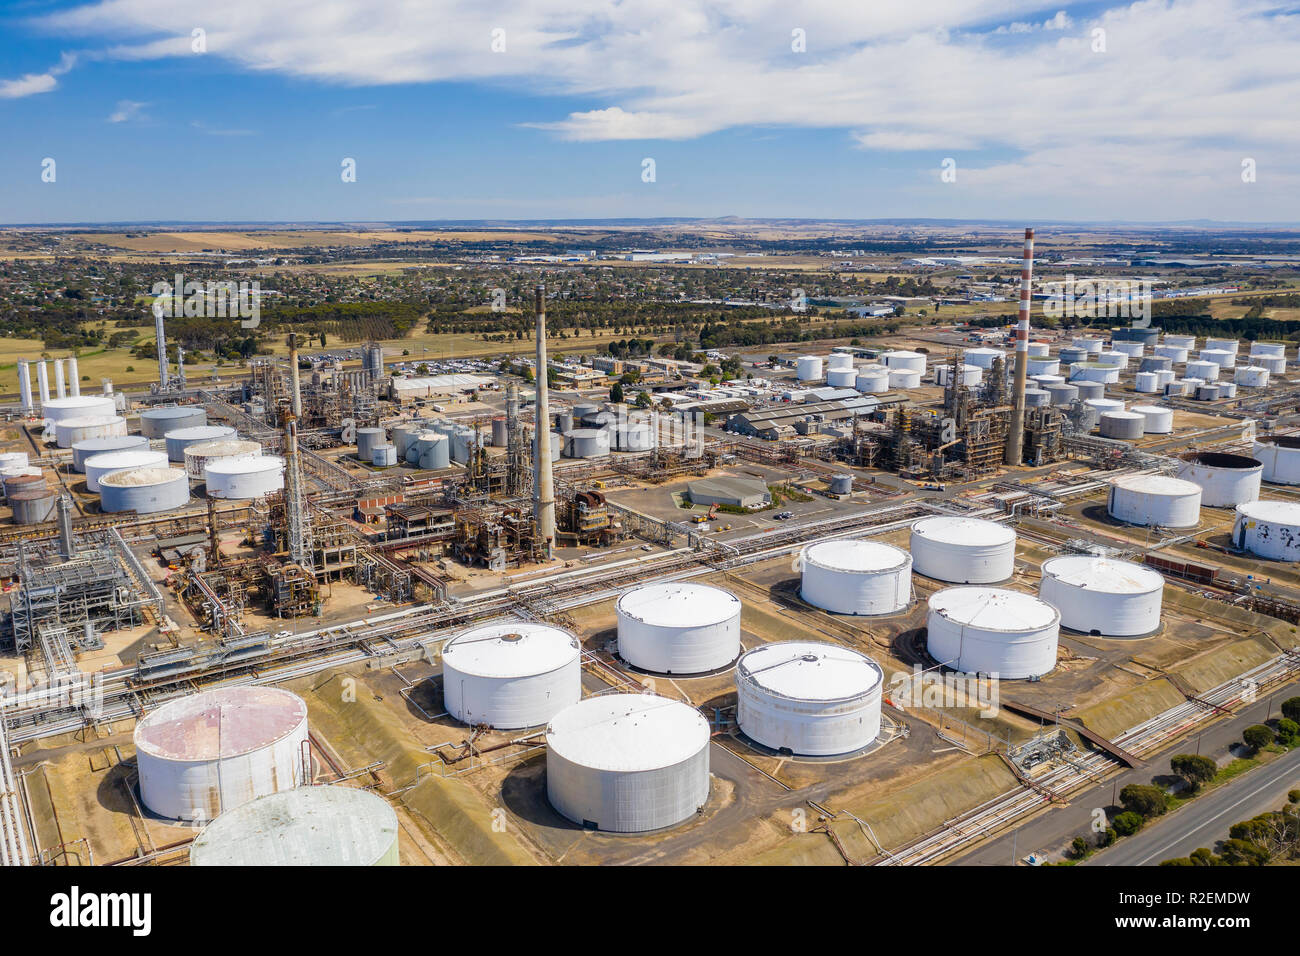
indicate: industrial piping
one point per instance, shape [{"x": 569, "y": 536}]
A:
[
  {"x": 1016, "y": 436},
  {"x": 543, "y": 484}
]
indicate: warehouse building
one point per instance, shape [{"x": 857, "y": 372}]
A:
[
  {"x": 738, "y": 492},
  {"x": 779, "y": 422}
]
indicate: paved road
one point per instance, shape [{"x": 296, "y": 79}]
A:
[
  {"x": 1058, "y": 826},
  {"x": 1205, "y": 821}
]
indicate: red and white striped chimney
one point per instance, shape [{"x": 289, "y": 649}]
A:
[{"x": 1016, "y": 437}]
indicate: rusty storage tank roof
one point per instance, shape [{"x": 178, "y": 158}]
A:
[{"x": 221, "y": 723}]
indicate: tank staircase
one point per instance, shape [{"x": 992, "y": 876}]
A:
[{"x": 1114, "y": 749}]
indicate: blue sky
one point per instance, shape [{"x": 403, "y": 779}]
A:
[{"x": 1041, "y": 124}]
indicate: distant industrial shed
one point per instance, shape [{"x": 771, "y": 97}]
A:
[{"x": 738, "y": 492}]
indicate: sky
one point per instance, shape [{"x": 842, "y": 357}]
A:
[{"x": 246, "y": 110}]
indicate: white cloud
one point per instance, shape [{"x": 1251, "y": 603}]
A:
[
  {"x": 127, "y": 110},
  {"x": 32, "y": 83}
]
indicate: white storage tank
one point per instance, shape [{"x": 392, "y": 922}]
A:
[
  {"x": 1037, "y": 349},
  {"x": 179, "y": 439},
  {"x": 809, "y": 698},
  {"x": 307, "y": 826},
  {"x": 1146, "y": 382},
  {"x": 69, "y": 431},
  {"x": 1187, "y": 342},
  {"x": 200, "y": 454},
  {"x": 1223, "y": 345},
  {"x": 1036, "y": 398},
  {"x": 963, "y": 550},
  {"x": 91, "y": 447},
  {"x": 1044, "y": 366},
  {"x": 1175, "y": 354},
  {"x": 1088, "y": 389},
  {"x": 636, "y": 436},
  {"x": 1251, "y": 376},
  {"x": 678, "y": 627},
  {"x": 1104, "y": 405},
  {"x": 1225, "y": 480},
  {"x": 1220, "y": 357},
  {"x": 856, "y": 577},
  {"x": 97, "y": 466},
  {"x": 1268, "y": 529},
  {"x": 842, "y": 377},
  {"x": 903, "y": 359},
  {"x": 144, "y": 490},
  {"x": 511, "y": 675},
  {"x": 1113, "y": 359},
  {"x": 1062, "y": 394},
  {"x": 1155, "y": 500},
  {"x": 627, "y": 763},
  {"x": 243, "y": 479},
  {"x": 1094, "y": 372},
  {"x": 384, "y": 456},
  {"x": 1091, "y": 345},
  {"x": 1103, "y": 597},
  {"x": 78, "y": 406},
  {"x": 808, "y": 368},
  {"x": 1124, "y": 426},
  {"x": 904, "y": 378},
  {"x": 588, "y": 442},
  {"x": 1131, "y": 349},
  {"x": 978, "y": 630},
  {"x": 968, "y": 375},
  {"x": 1280, "y": 456},
  {"x": 1159, "y": 420},
  {"x": 1205, "y": 371},
  {"x": 367, "y": 439},
  {"x": 1276, "y": 365},
  {"x": 872, "y": 379},
  {"x": 839, "y": 361},
  {"x": 985, "y": 358},
  {"x": 1270, "y": 349},
  {"x": 210, "y": 752},
  {"x": 157, "y": 422}
]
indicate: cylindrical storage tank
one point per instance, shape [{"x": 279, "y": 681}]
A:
[
  {"x": 1147, "y": 382},
  {"x": 1088, "y": 389},
  {"x": 1131, "y": 349},
  {"x": 1251, "y": 376},
  {"x": 1208, "y": 392},
  {"x": 1113, "y": 359},
  {"x": 1147, "y": 336},
  {"x": 97, "y": 466},
  {"x": 808, "y": 368},
  {"x": 329, "y": 825},
  {"x": 1044, "y": 366},
  {"x": 32, "y": 506},
  {"x": 1280, "y": 456},
  {"x": 963, "y": 550},
  {"x": 841, "y": 377},
  {"x": 1092, "y": 346},
  {"x": 465, "y": 442},
  {"x": 582, "y": 410},
  {"x": 1187, "y": 342},
  {"x": 557, "y": 445},
  {"x": 1159, "y": 421},
  {"x": 856, "y": 577},
  {"x": 1163, "y": 378},
  {"x": 1268, "y": 529},
  {"x": 1155, "y": 500},
  {"x": 589, "y": 442},
  {"x": 157, "y": 422},
  {"x": 903, "y": 359},
  {"x": 1156, "y": 364},
  {"x": 1036, "y": 349},
  {"x": 80, "y": 406},
  {"x": 414, "y": 448},
  {"x": 1103, "y": 597},
  {"x": 367, "y": 439},
  {"x": 403, "y": 437},
  {"x": 1205, "y": 371},
  {"x": 201, "y": 755},
  {"x": 627, "y": 763},
  {"x": 841, "y": 484},
  {"x": 838, "y": 361},
  {"x": 511, "y": 675},
  {"x": 564, "y": 422},
  {"x": 1275, "y": 366},
  {"x": 1094, "y": 372},
  {"x": 872, "y": 379},
  {"x": 978, "y": 630},
  {"x": 25, "y": 480},
  {"x": 1225, "y": 480},
  {"x": 69, "y": 431},
  {"x": 1042, "y": 381},
  {"x": 1125, "y": 426},
  {"x": 1173, "y": 353},
  {"x": 1062, "y": 394},
  {"x": 143, "y": 490},
  {"x": 90, "y": 447},
  {"x": 1273, "y": 349},
  {"x": 1220, "y": 357},
  {"x": 678, "y": 628},
  {"x": 904, "y": 378},
  {"x": 1036, "y": 398},
  {"x": 242, "y": 479},
  {"x": 1104, "y": 405},
  {"x": 384, "y": 456},
  {"x": 181, "y": 438},
  {"x": 809, "y": 698},
  {"x": 14, "y": 459},
  {"x": 434, "y": 451},
  {"x": 966, "y": 374},
  {"x": 500, "y": 433},
  {"x": 200, "y": 454},
  {"x": 634, "y": 436},
  {"x": 1223, "y": 345},
  {"x": 1069, "y": 354},
  {"x": 1227, "y": 389},
  {"x": 984, "y": 358},
  {"x": 1176, "y": 389}
]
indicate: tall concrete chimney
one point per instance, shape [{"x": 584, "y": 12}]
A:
[
  {"x": 160, "y": 341},
  {"x": 59, "y": 383},
  {"x": 1016, "y": 438},
  {"x": 543, "y": 484},
  {"x": 25, "y": 386},
  {"x": 74, "y": 377},
  {"x": 43, "y": 381},
  {"x": 293, "y": 374}
]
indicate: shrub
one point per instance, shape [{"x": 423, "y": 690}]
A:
[
  {"x": 1257, "y": 736},
  {"x": 1079, "y": 847},
  {"x": 1144, "y": 799},
  {"x": 1288, "y": 730},
  {"x": 1291, "y": 708},
  {"x": 1128, "y": 823},
  {"x": 1193, "y": 768}
]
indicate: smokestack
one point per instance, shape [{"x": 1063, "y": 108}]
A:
[
  {"x": 543, "y": 484},
  {"x": 74, "y": 377},
  {"x": 1016, "y": 438},
  {"x": 59, "y": 385},
  {"x": 25, "y": 385},
  {"x": 293, "y": 371},
  {"x": 160, "y": 342},
  {"x": 43, "y": 381}
]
